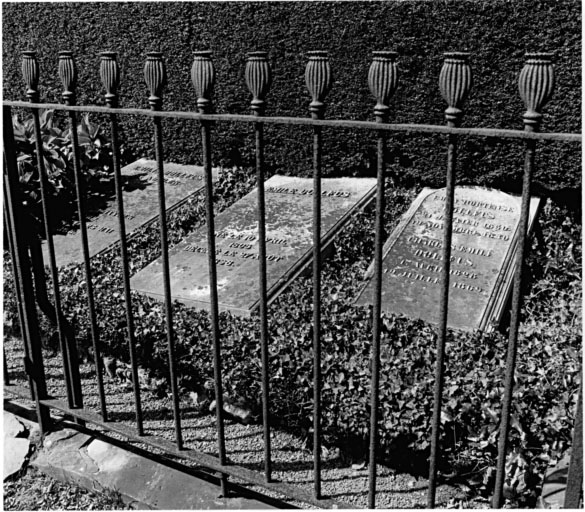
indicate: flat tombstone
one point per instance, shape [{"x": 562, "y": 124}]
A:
[
  {"x": 289, "y": 215},
  {"x": 485, "y": 235},
  {"x": 140, "y": 191}
]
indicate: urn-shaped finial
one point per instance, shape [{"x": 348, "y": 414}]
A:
[
  {"x": 68, "y": 76},
  {"x": 455, "y": 81},
  {"x": 155, "y": 75},
  {"x": 30, "y": 73},
  {"x": 203, "y": 78},
  {"x": 383, "y": 81},
  {"x": 536, "y": 84},
  {"x": 318, "y": 79},
  {"x": 110, "y": 75},
  {"x": 258, "y": 79}
]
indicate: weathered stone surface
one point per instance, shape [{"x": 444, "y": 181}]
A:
[
  {"x": 94, "y": 464},
  {"x": 15, "y": 448},
  {"x": 140, "y": 191},
  {"x": 289, "y": 214},
  {"x": 12, "y": 427},
  {"x": 482, "y": 258}
]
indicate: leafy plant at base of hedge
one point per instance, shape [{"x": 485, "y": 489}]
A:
[
  {"x": 95, "y": 158},
  {"x": 547, "y": 373}
]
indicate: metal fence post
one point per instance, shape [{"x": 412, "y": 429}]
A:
[
  {"x": 258, "y": 80},
  {"x": 155, "y": 76},
  {"x": 30, "y": 72},
  {"x": 383, "y": 81},
  {"x": 318, "y": 80},
  {"x": 203, "y": 78},
  {"x": 455, "y": 82},
  {"x": 110, "y": 76},
  {"x": 536, "y": 84}
]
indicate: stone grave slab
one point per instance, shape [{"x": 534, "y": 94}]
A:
[
  {"x": 289, "y": 214},
  {"x": 485, "y": 237},
  {"x": 140, "y": 191}
]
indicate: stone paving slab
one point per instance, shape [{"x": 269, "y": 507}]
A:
[
  {"x": 16, "y": 445},
  {"x": 96, "y": 465}
]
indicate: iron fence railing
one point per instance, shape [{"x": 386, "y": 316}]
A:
[{"x": 536, "y": 85}]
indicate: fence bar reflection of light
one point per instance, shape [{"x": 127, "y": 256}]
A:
[
  {"x": 318, "y": 79},
  {"x": 454, "y": 82},
  {"x": 258, "y": 80},
  {"x": 382, "y": 80},
  {"x": 203, "y": 78},
  {"x": 536, "y": 84},
  {"x": 34, "y": 362},
  {"x": 110, "y": 77},
  {"x": 156, "y": 79},
  {"x": 68, "y": 75},
  {"x": 30, "y": 72}
]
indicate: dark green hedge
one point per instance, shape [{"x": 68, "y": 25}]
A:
[{"x": 497, "y": 33}]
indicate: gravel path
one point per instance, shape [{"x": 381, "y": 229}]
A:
[{"x": 292, "y": 461}]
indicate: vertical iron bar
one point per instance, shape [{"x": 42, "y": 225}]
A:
[
  {"x": 382, "y": 80},
  {"x": 31, "y": 75},
  {"x": 575, "y": 476},
  {"x": 536, "y": 83},
  {"x": 443, "y": 312},
  {"x": 87, "y": 266},
  {"x": 258, "y": 78},
  {"x": 454, "y": 83},
  {"x": 375, "y": 358},
  {"x": 109, "y": 74},
  {"x": 514, "y": 324},
  {"x": 67, "y": 74},
  {"x": 203, "y": 78},
  {"x": 34, "y": 363},
  {"x": 155, "y": 75},
  {"x": 317, "y": 308},
  {"x": 205, "y": 128},
  {"x": 318, "y": 81},
  {"x": 10, "y": 234},
  {"x": 17, "y": 279}
]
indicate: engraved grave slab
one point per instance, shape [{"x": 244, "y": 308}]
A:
[
  {"x": 140, "y": 191},
  {"x": 289, "y": 214},
  {"x": 485, "y": 233}
]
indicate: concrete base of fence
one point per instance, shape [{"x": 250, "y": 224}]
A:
[{"x": 78, "y": 458}]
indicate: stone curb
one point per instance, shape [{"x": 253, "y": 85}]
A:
[
  {"x": 84, "y": 460},
  {"x": 79, "y": 458}
]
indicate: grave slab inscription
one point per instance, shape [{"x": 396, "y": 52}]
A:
[
  {"x": 289, "y": 213},
  {"x": 484, "y": 242},
  {"x": 140, "y": 191}
]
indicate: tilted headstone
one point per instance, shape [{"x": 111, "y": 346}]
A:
[
  {"x": 485, "y": 234},
  {"x": 289, "y": 247},
  {"x": 140, "y": 191}
]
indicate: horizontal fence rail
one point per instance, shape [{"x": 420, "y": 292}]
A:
[
  {"x": 333, "y": 123},
  {"x": 536, "y": 85}
]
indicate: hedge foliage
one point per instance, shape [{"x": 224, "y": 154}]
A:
[{"x": 497, "y": 33}]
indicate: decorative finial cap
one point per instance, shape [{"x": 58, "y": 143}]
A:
[
  {"x": 30, "y": 73},
  {"x": 455, "y": 81},
  {"x": 318, "y": 79},
  {"x": 68, "y": 76},
  {"x": 258, "y": 79},
  {"x": 155, "y": 75},
  {"x": 203, "y": 78},
  {"x": 110, "y": 75},
  {"x": 536, "y": 84},
  {"x": 383, "y": 81}
]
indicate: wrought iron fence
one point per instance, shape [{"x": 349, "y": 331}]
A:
[{"x": 536, "y": 87}]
